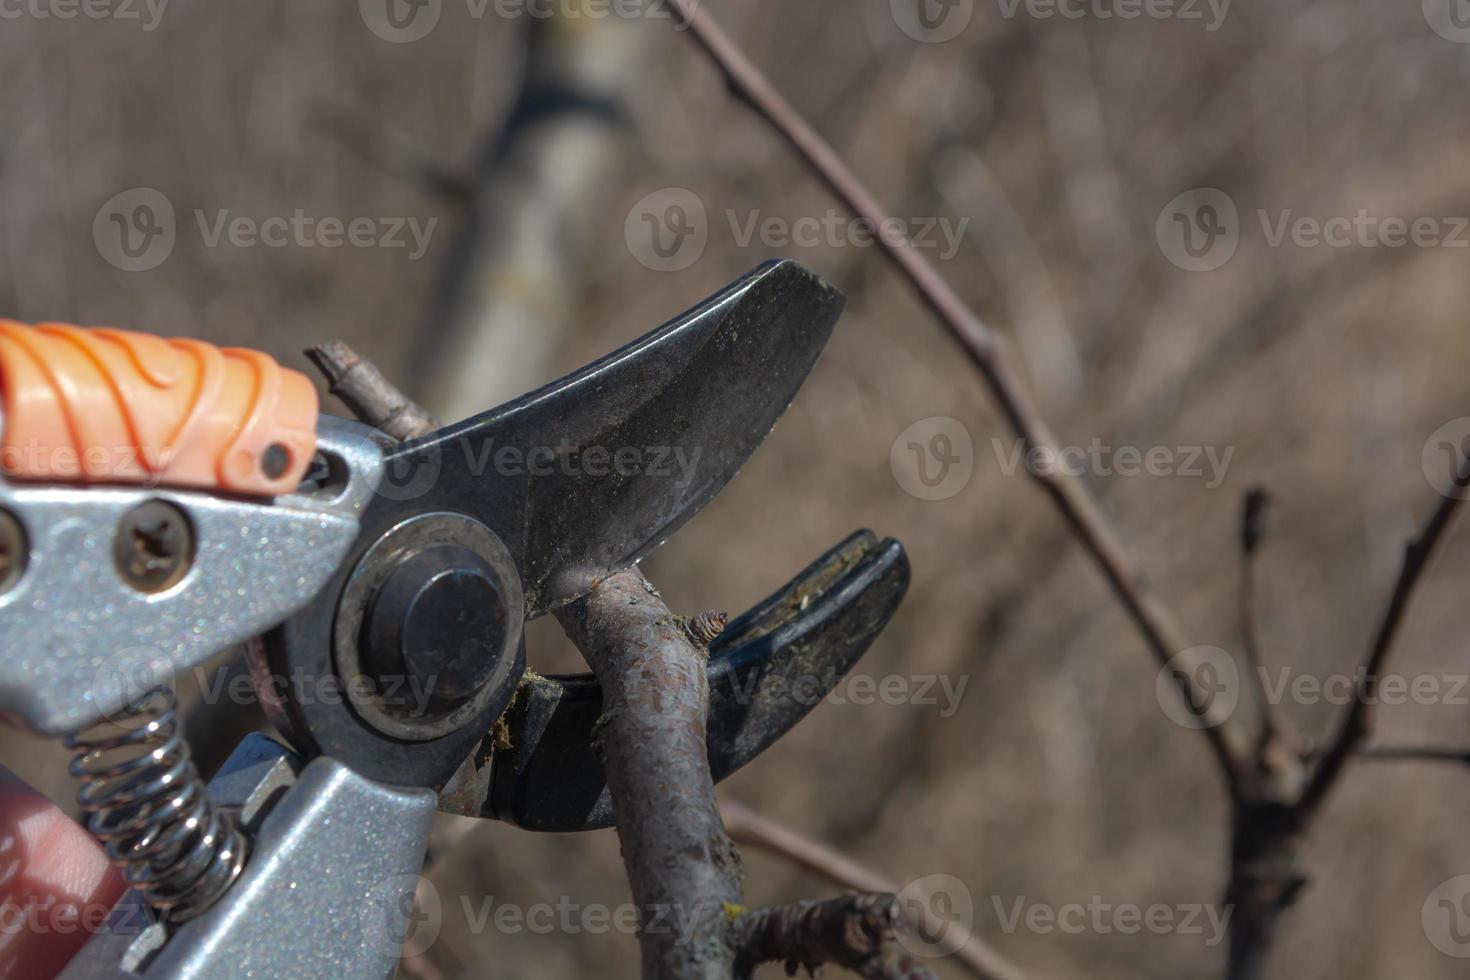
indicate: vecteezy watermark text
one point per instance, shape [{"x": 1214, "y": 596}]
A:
[
  {"x": 302, "y": 230},
  {"x": 670, "y": 229},
  {"x": 409, "y": 477},
  {"x": 148, "y": 13},
  {"x": 1209, "y": 679},
  {"x": 405, "y": 21},
  {"x": 942, "y": 691},
  {"x": 1201, "y": 462},
  {"x": 934, "y": 459},
  {"x": 1211, "y": 12},
  {"x": 136, "y": 230},
  {"x": 1097, "y": 916},
  {"x": 1201, "y": 229},
  {"x": 408, "y": 911}
]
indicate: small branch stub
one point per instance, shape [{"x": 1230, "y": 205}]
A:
[
  {"x": 856, "y": 932},
  {"x": 365, "y": 390},
  {"x": 707, "y": 626}
]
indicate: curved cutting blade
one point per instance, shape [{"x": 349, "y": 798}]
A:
[{"x": 593, "y": 472}]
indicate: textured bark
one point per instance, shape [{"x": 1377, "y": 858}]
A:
[
  {"x": 684, "y": 871},
  {"x": 857, "y": 932},
  {"x": 365, "y": 390},
  {"x": 1265, "y": 879}
]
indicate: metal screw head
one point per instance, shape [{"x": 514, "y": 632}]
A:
[
  {"x": 154, "y": 546},
  {"x": 12, "y": 551}
]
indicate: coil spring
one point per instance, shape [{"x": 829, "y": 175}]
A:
[{"x": 148, "y": 807}]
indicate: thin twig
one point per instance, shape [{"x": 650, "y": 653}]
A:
[
  {"x": 1067, "y": 493},
  {"x": 1413, "y": 753},
  {"x": 752, "y": 829},
  {"x": 1417, "y": 558},
  {"x": 1252, "y": 534},
  {"x": 365, "y": 390}
]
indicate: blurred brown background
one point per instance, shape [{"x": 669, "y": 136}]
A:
[{"x": 1059, "y": 778}]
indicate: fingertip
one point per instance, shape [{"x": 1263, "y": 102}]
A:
[{"x": 56, "y": 884}]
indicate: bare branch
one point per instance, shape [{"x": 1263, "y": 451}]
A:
[
  {"x": 365, "y": 390},
  {"x": 1252, "y": 533},
  {"x": 1413, "y": 753},
  {"x": 1067, "y": 493},
  {"x": 857, "y": 932},
  {"x": 651, "y": 739},
  {"x": 1417, "y": 558},
  {"x": 749, "y": 828}
]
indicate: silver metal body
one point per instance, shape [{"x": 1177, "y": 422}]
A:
[
  {"x": 327, "y": 892},
  {"x": 77, "y": 643}
]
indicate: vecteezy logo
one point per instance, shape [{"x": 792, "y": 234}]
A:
[
  {"x": 1199, "y": 230},
  {"x": 933, "y": 21},
  {"x": 668, "y": 230},
  {"x": 403, "y": 911},
  {"x": 135, "y": 230},
  {"x": 408, "y": 476},
  {"x": 1446, "y": 459},
  {"x": 933, "y": 459},
  {"x": 1445, "y": 917},
  {"x": 400, "y": 21},
  {"x": 941, "y": 913},
  {"x": 127, "y": 677},
  {"x": 1450, "y": 19},
  {"x": 1199, "y": 687}
]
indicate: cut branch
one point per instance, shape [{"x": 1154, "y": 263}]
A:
[
  {"x": 747, "y": 827},
  {"x": 369, "y": 394},
  {"x": 1071, "y": 498},
  {"x": 856, "y": 932}
]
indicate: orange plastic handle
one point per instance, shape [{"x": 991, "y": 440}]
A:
[{"x": 112, "y": 406}]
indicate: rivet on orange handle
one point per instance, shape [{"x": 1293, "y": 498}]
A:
[{"x": 113, "y": 406}]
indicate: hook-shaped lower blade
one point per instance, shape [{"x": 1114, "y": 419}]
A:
[
  {"x": 590, "y": 474},
  {"x": 766, "y": 672}
]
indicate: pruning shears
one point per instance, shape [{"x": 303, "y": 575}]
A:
[{"x": 162, "y": 501}]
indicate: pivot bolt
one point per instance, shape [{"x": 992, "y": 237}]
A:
[
  {"x": 154, "y": 546},
  {"x": 12, "y": 551},
  {"x": 435, "y": 629}
]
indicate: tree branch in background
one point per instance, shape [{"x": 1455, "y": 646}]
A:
[
  {"x": 1412, "y": 753},
  {"x": 1271, "y": 821},
  {"x": 1273, "y": 796},
  {"x": 1417, "y": 557},
  {"x": 1252, "y": 534},
  {"x": 986, "y": 351},
  {"x": 748, "y": 828}
]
